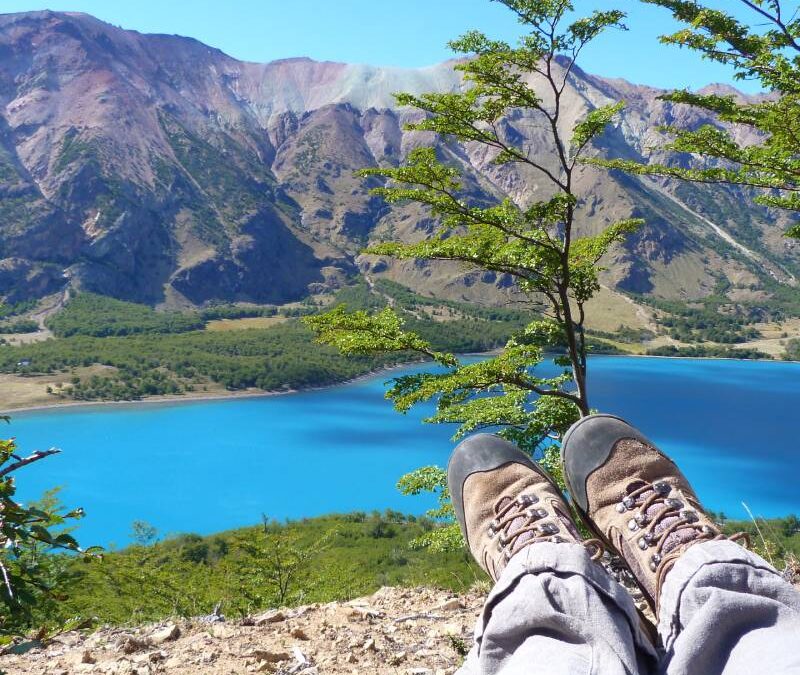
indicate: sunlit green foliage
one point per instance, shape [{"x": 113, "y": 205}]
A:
[
  {"x": 766, "y": 48},
  {"x": 30, "y": 577}
]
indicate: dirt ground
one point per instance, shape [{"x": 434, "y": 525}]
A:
[{"x": 395, "y": 631}]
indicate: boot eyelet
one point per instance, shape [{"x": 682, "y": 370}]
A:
[
  {"x": 655, "y": 560},
  {"x": 527, "y": 500},
  {"x": 689, "y": 515},
  {"x": 662, "y": 487},
  {"x": 643, "y": 543},
  {"x": 633, "y": 525},
  {"x": 708, "y": 530},
  {"x": 629, "y": 503},
  {"x": 641, "y": 519},
  {"x": 650, "y": 538},
  {"x": 494, "y": 525},
  {"x": 621, "y": 507},
  {"x": 673, "y": 503}
]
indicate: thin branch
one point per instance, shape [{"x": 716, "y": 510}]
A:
[
  {"x": 35, "y": 457},
  {"x": 776, "y": 20}
]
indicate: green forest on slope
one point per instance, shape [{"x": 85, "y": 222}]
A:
[
  {"x": 151, "y": 353},
  {"x": 333, "y": 557}
]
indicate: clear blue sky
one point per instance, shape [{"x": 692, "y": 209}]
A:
[{"x": 391, "y": 32}]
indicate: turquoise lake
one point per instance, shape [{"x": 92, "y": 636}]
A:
[{"x": 206, "y": 466}]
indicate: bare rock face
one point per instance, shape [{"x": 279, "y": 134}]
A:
[
  {"x": 395, "y": 630},
  {"x": 151, "y": 167}
]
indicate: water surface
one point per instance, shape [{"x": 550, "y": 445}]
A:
[{"x": 206, "y": 466}]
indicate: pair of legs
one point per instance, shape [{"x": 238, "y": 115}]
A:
[{"x": 555, "y": 609}]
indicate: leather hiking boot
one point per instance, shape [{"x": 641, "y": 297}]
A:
[
  {"x": 505, "y": 502},
  {"x": 633, "y": 497}
]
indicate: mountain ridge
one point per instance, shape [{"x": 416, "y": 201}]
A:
[{"x": 158, "y": 169}]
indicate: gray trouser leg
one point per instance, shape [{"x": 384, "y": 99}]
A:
[
  {"x": 725, "y": 611},
  {"x": 554, "y": 611}
]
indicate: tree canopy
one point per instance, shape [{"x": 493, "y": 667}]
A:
[
  {"x": 766, "y": 50},
  {"x": 536, "y": 244}
]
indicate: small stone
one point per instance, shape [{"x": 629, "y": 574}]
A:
[
  {"x": 131, "y": 644},
  {"x": 299, "y": 634},
  {"x": 172, "y": 662},
  {"x": 363, "y": 612},
  {"x": 369, "y": 645},
  {"x": 170, "y": 632},
  {"x": 451, "y": 629},
  {"x": 273, "y": 616},
  {"x": 451, "y": 605},
  {"x": 427, "y": 653},
  {"x": 221, "y": 631},
  {"x": 350, "y": 658},
  {"x": 266, "y": 655},
  {"x": 81, "y": 657},
  {"x": 382, "y": 593},
  {"x": 418, "y": 671},
  {"x": 397, "y": 658}
]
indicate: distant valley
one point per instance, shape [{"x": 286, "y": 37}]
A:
[{"x": 161, "y": 174}]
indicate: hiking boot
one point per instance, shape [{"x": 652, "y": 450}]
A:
[
  {"x": 504, "y": 502},
  {"x": 633, "y": 497}
]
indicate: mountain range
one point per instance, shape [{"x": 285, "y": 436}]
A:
[{"x": 157, "y": 169}]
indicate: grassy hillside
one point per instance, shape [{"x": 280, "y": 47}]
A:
[
  {"x": 334, "y": 557},
  {"x": 245, "y": 570}
]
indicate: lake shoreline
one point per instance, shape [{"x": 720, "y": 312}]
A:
[
  {"x": 200, "y": 398},
  {"x": 253, "y": 394}
]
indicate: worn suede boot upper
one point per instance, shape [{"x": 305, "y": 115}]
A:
[
  {"x": 634, "y": 497},
  {"x": 504, "y": 502}
]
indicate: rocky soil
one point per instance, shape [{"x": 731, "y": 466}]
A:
[{"x": 396, "y": 630}]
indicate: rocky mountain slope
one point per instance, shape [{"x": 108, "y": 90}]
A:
[
  {"x": 395, "y": 631},
  {"x": 157, "y": 169}
]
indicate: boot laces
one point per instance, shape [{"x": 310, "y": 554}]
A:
[
  {"x": 523, "y": 521},
  {"x": 666, "y": 523}
]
